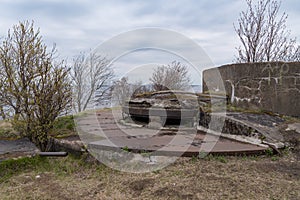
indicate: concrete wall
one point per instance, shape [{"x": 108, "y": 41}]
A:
[{"x": 271, "y": 87}]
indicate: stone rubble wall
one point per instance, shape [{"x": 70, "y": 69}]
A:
[
  {"x": 72, "y": 147},
  {"x": 233, "y": 127},
  {"x": 273, "y": 87}
]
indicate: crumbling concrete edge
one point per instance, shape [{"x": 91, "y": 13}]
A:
[
  {"x": 240, "y": 138},
  {"x": 244, "y": 139}
]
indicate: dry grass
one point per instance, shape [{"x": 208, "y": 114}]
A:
[
  {"x": 62, "y": 127},
  {"x": 5, "y": 124},
  {"x": 209, "y": 178},
  {"x": 7, "y": 132}
]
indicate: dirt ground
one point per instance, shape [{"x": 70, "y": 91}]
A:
[{"x": 214, "y": 177}]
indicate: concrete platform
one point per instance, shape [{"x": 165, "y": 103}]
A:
[
  {"x": 182, "y": 148},
  {"x": 16, "y": 148},
  {"x": 112, "y": 136}
]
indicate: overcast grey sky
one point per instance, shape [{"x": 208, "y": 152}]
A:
[{"x": 79, "y": 25}]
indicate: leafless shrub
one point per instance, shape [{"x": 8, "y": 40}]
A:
[
  {"x": 263, "y": 34},
  {"x": 123, "y": 90},
  {"x": 90, "y": 74},
  {"x": 171, "y": 77}
]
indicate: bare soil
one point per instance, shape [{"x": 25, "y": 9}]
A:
[{"x": 215, "y": 177}]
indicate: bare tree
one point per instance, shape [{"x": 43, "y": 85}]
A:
[
  {"x": 296, "y": 55},
  {"x": 171, "y": 77},
  {"x": 263, "y": 33},
  {"x": 90, "y": 74},
  {"x": 2, "y": 112},
  {"x": 31, "y": 84},
  {"x": 123, "y": 90}
]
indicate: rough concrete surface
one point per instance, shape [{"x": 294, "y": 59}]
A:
[{"x": 273, "y": 86}]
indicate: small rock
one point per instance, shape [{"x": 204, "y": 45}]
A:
[{"x": 295, "y": 127}]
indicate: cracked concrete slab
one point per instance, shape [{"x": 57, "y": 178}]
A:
[{"x": 162, "y": 141}]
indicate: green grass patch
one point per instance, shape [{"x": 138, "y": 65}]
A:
[
  {"x": 63, "y": 127},
  {"x": 219, "y": 158},
  {"x": 7, "y": 132},
  {"x": 269, "y": 152},
  {"x": 62, "y": 166},
  {"x": 8, "y": 135},
  {"x": 10, "y": 167}
]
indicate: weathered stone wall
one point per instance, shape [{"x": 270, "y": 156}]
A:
[{"x": 271, "y": 87}]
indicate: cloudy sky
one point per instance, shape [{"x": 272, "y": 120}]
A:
[{"x": 79, "y": 25}]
